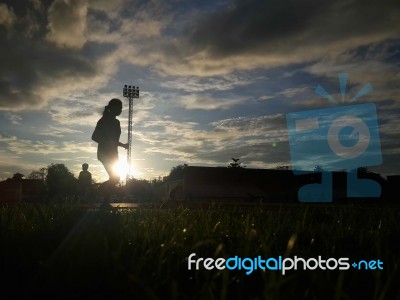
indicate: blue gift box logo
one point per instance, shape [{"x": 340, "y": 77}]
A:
[{"x": 341, "y": 138}]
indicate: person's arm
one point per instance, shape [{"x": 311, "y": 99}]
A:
[
  {"x": 123, "y": 145},
  {"x": 119, "y": 129}
]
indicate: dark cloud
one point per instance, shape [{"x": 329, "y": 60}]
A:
[
  {"x": 33, "y": 70},
  {"x": 33, "y": 67},
  {"x": 255, "y": 26}
]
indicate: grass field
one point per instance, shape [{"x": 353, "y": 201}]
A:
[{"x": 65, "y": 252}]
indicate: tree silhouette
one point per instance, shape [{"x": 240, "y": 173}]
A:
[
  {"x": 18, "y": 176},
  {"x": 38, "y": 174},
  {"x": 177, "y": 173},
  {"x": 60, "y": 181},
  {"x": 236, "y": 163},
  {"x": 318, "y": 169},
  {"x": 282, "y": 167},
  {"x": 140, "y": 189}
]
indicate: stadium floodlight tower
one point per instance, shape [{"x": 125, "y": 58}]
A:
[{"x": 130, "y": 92}]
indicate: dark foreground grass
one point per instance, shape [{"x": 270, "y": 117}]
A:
[{"x": 65, "y": 252}]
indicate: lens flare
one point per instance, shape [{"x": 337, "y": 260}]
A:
[{"x": 121, "y": 168}]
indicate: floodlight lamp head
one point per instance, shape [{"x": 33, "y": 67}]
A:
[{"x": 130, "y": 91}]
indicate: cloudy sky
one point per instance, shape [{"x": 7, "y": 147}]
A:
[{"x": 217, "y": 78}]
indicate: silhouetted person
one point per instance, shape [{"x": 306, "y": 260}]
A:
[
  {"x": 85, "y": 181},
  {"x": 107, "y": 134}
]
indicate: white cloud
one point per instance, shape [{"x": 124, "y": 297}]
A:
[
  {"x": 291, "y": 92},
  {"x": 222, "y": 83},
  {"x": 67, "y": 23},
  {"x": 7, "y": 16},
  {"x": 207, "y": 102},
  {"x": 14, "y": 118},
  {"x": 137, "y": 29},
  {"x": 250, "y": 138},
  {"x": 58, "y": 131},
  {"x": 24, "y": 147},
  {"x": 111, "y": 8}
]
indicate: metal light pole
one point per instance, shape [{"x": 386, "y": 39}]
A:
[{"x": 130, "y": 92}]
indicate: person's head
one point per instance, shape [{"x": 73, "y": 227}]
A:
[
  {"x": 114, "y": 108},
  {"x": 85, "y": 167}
]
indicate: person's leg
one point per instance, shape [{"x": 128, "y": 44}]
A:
[{"x": 108, "y": 187}]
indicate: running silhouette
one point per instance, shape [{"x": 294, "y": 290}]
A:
[{"x": 106, "y": 135}]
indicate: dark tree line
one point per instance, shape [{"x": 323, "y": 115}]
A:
[
  {"x": 60, "y": 183},
  {"x": 58, "y": 180}
]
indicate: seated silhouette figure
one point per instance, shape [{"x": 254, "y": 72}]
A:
[{"x": 85, "y": 181}]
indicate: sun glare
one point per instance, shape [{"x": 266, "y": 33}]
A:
[{"x": 122, "y": 169}]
